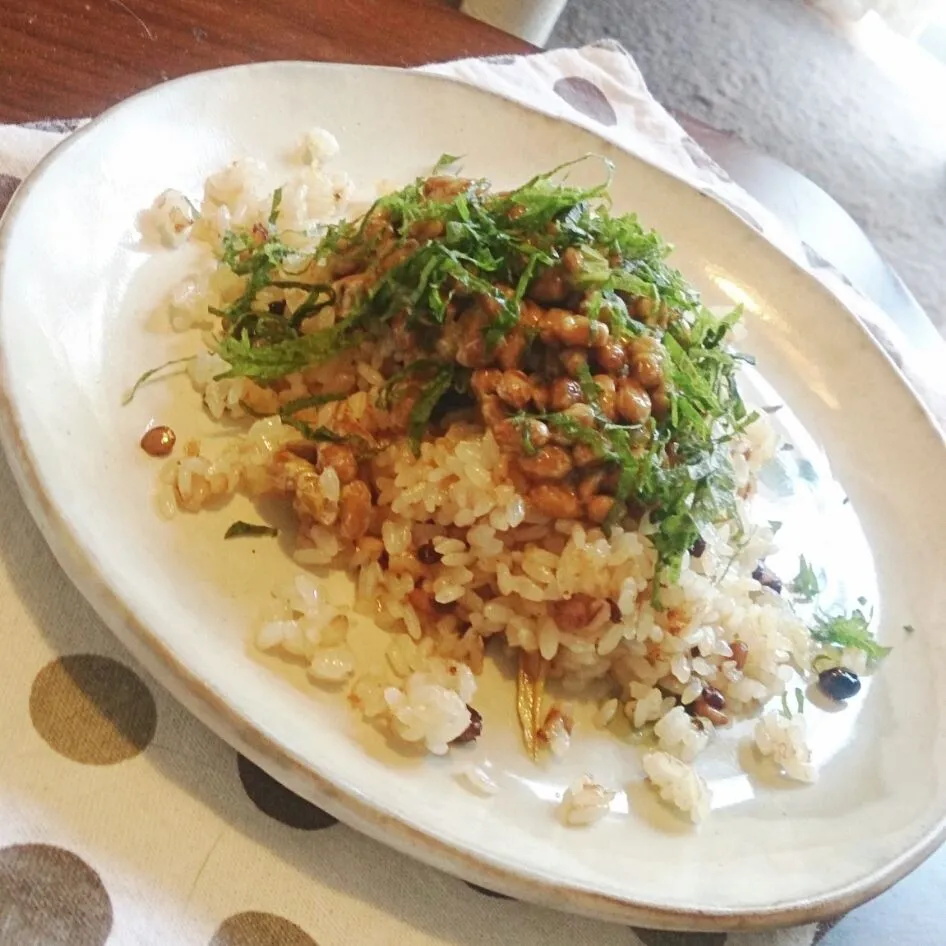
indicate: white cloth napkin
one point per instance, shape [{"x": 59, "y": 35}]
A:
[{"x": 122, "y": 818}]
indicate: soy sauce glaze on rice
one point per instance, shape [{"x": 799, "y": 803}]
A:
[{"x": 512, "y": 421}]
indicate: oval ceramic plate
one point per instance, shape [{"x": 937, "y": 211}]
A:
[{"x": 860, "y": 491}]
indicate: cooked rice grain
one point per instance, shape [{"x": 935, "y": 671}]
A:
[{"x": 497, "y": 565}]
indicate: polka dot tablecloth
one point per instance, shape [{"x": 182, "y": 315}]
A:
[{"x": 124, "y": 821}]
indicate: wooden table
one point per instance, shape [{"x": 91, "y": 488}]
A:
[
  {"x": 76, "y": 57},
  {"x": 68, "y": 58}
]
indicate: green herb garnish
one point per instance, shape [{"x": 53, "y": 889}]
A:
[
  {"x": 443, "y": 162},
  {"x": 240, "y": 528},
  {"x": 395, "y": 386},
  {"x": 486, "y": 254},
  {"x": 319, "y": 433},
  {"x": 521, "y": 420},
  {"x": 848, "y": 630},
  {"x": 274, "y": 208},
  {"x": 313, "y": 400},
  {"x": 805, "y": 584},
  {"x": 425, "y": 404},
  {"x": 484, "y": 244},
  {"x": 150, "y": 373},
  {"x": 589, "y": 388}
]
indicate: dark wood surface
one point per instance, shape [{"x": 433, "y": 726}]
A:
[{"x": 71, "y": 58}]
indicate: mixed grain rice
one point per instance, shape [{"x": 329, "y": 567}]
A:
[{"x": 498, "y": 563}]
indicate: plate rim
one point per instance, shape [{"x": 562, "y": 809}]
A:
[{"x": 213, "y": 709}]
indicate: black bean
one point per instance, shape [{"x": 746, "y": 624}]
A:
[
  {"x": 278, "y": 307},
  {"x": 768, "y": 578},
  {"x": 839, "y": 684},
  {"x": 384, "y": 559},
  {"x": 428, "y": 555},
  {"x": 472, "y": 731},
  {"x": 698, "y": 547}
]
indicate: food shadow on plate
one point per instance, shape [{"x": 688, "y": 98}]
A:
[
  {"x": 763, "y": 772},
  {"x": 644, "y": 803},
  {"x": 816, "y": 696},
  {"x": 376, "y": 740}
]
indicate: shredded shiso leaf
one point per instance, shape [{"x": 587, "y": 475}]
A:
[
  {"x": 241, "y": 528},
  {"x": 805, "y": 585},
  {"x": 676, "y": 468},
  {"x": 848, "y": 631}
]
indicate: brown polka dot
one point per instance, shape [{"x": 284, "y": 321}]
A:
[
  {"x": 49, "y": 897},
  {"x": 665, "y": 938},
  {"x": 8, "y": 184},
  {"x": 278, "y": 802},
  {"x": 587, "y": 98},
  {"x": 486, "y": 892},
  {"x": 260, "y": 929},
  {"x": 92, "y": 709}
]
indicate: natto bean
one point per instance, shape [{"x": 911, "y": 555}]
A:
[{"x": 158, "y": 441}]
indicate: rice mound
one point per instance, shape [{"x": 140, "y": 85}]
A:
[{"x": 458, "y": 561}]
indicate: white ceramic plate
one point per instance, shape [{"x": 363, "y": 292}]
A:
[{"x": 75, "y": 293}]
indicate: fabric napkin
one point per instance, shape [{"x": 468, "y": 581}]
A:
[{"x": 124, "y": 821}]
